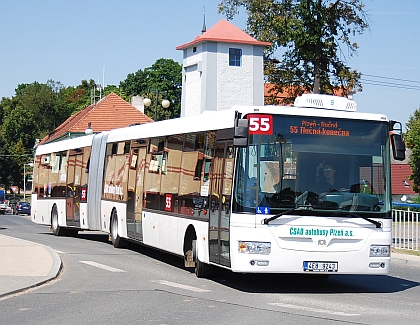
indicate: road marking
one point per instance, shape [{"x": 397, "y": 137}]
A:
[
  {"x": 181, "y": 286},
  {"x": 102, "y": 266},
  {"x": 315, "y": 310},
  {"x": 59, "y": 252}
]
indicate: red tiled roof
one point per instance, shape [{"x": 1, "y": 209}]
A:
[
  {"x": 224, "y": 32},
  {"x": 399, "y": 179},
  {"x": 271, "y": 92},
  {"x": 111, "y": 112}
]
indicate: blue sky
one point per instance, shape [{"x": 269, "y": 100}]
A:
[{"x": 70, "y": 41}]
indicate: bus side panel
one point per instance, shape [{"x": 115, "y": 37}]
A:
[
  {"x": 167, "y": 232},
  {"x": 35, "y": 217},
  {"x": 172, "y": 230},
  {"x": 202, "y": 229},
  {"x": 83, "y": 216},
  {"x": 61, "y": 210},
  {"x": 151, "y": 228},
  {"x": 106, "y": 210},
  {"x": 41, "y": 210}
]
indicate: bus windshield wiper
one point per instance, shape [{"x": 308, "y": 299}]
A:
[
  {"x": 301, "y": 207},
  {"x": 376, "y": 223}
]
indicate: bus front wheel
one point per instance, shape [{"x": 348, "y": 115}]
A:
[{"x": 202, "y": 270}]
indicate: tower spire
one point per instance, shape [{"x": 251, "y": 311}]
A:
[{"x": 204, "y": 29}]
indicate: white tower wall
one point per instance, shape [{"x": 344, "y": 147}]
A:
[{"x": 210, "y": 83}]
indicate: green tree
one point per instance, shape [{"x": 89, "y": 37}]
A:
[
  {"x": 164, "y": 80},
  {"x": 37, "y": 109},
  {"x": 33, "y": 112},
  {"x": 412, "y": 140},
  {"x": 308, "y": 35},
  {"x": 115, "y": 89}
]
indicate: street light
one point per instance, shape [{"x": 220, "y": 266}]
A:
[
  {"x": 165, "y": 103},
  {"x": 89, "y": 130},
  {"x": 24, "y": 179}
]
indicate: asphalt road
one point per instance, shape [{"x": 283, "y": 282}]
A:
[{"x": 103, "y": 285}]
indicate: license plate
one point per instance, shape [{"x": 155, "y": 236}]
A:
[{"x": 320, "y": 266}]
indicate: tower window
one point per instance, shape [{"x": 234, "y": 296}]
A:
[{"x": 235, "y": 57}]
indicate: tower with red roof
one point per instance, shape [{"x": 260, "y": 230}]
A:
[{"x": 222, "y": 67}]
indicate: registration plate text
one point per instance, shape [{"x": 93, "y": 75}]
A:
[{"x": 320, "y": 266}]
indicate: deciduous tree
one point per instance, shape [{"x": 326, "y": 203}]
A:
[
  {"x": 308, "y": 35},
  {"x": 412, "y": 140},
  {"x": 164, "y": 80}
]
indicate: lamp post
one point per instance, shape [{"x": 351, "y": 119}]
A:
[
  {"x": 89, "y": 130},
  {"x": 24, "y": 179},
  {"x": 165, "y": 103}
]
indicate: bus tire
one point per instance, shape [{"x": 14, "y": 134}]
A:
[
  {"x": 202, "y": 270},
  {"x": 56, "y": 229},
  {"x": 116, "y": 240}
]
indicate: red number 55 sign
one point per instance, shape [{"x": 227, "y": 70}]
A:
[{"x": 260, "y": 124}]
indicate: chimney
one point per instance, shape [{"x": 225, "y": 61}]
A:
[{"x": 137, "y": 102}]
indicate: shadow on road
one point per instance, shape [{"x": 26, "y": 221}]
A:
[{"x": 273, "y": 283}]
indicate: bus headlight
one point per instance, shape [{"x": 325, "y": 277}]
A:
[
  {"x": 252, "y": 247},
  {"x": 380, "y": 251}
]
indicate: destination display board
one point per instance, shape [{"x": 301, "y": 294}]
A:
[
  {"x": 321, "y": 134},
  {"x": 319, "y": 127}
]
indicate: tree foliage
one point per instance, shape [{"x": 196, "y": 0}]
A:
[
  {"x": 37, "y": 109},
  {"x": 308, "y": 34},
  {"x": 412, "y": 140},
  {"x": 163, "y": 80},
  {"x": 34, "y": 111}
]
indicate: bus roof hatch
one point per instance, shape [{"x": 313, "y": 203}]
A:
[{"x": 326, "y": 102}]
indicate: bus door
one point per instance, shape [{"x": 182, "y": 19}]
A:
[
  {"x": 220, "y": 199},
  {"x": 135, "y": 193},
  {"x": 74, "y": 175}
]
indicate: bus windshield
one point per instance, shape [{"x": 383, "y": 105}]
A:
[{"x": 326, "y": 165}]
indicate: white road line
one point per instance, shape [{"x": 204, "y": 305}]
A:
[
  {"x": 102, "y": 266},
  {"x": 315, "y": 310},
  {"x": 59, "y": 252},
  {"x": 181, "y": 286}
]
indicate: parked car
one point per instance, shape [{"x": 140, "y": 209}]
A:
[
  {"x": 5, "y": 207},
  {"x": 23, "y": 208}
]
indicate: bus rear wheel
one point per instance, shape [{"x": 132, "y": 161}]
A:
[
  {"x": 116, "y": 240},
  {"x": 56, "y": 229},
  {"x": 202, "y": 270}
]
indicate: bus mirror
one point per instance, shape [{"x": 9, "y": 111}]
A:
[
  {"x": 398, "y": 146},
  {"x": 240, "y": 138},
  {"x": 397, "y": 143}
]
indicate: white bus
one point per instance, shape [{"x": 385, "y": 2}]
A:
[{"x": 238, "y": 189}]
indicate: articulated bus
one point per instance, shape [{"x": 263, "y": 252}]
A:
[{"x": 239, "y": 189}]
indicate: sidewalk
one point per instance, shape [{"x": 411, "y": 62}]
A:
[
  {"x": 25, "y": 264},
  {"x": 405, "y": 259}
]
